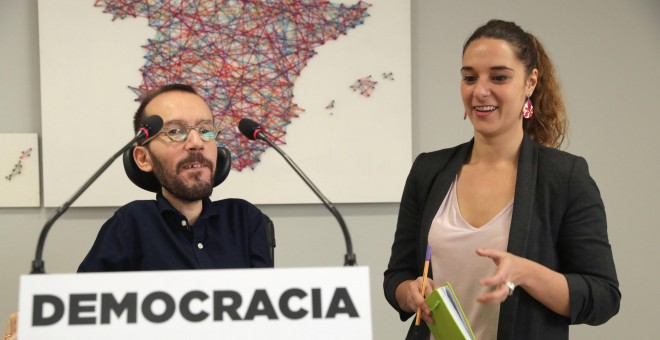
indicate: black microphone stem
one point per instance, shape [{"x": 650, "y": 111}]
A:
[
  {"x": 349, "y": 258},
  {"x": 38, "y": 263}
]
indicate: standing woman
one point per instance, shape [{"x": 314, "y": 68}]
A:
[{"x": 516, "y": 226}]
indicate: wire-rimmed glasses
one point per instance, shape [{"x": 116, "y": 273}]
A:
[{"x": 179, "y": 132}]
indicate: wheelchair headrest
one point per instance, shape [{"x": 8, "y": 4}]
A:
[{"x": 148, "y": 181}]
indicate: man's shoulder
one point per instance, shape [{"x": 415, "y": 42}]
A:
[
  {"x": 139, "y": 204},
  {"x": 238, "y": 210},
  {"x": 137, "y": 207},
  {"x": 233, "y": 204}
]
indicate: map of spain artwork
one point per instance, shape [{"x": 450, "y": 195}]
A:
[
  {"x": 277, "y": 62},
  {"x": 243, "y": 56}
]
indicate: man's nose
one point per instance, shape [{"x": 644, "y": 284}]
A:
[{"x": 194, "y": 140}]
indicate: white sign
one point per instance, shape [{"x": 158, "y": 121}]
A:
[{"x": 297, "y": 303}]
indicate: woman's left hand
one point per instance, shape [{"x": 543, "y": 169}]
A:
[
  {"x": 10, "y": 330},
  {"x": 505, "y": 279}
]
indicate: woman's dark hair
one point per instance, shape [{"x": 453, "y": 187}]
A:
[
  {"x": 549, "y": 124},
  {"x": 139, "y": 114}
]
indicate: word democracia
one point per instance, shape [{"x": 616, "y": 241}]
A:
[{"x": 97, "y": 308}]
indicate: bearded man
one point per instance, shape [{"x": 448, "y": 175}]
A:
[{"x": 182, "y": 228}]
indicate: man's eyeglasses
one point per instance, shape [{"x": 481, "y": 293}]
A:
[{"x": 178, "y": 132}]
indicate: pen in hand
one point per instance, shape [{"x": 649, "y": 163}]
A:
[{"x": 426, "y": 271}]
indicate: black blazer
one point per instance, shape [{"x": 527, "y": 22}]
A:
[{"x": 558, "y": 221}]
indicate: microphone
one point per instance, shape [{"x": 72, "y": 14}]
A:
[
  {"x": 252, "y": 130},
  {"x": 150, "y": 127}
]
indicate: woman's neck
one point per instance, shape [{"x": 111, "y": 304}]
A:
[{"x": 495, "y": 150}]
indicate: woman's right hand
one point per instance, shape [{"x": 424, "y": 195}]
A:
[{"x": 409, "y": 297}]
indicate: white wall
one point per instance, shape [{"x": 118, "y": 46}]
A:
[{"x": 607, "y": 54}]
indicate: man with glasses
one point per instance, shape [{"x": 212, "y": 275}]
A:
[{"x": 182, "y": 228}]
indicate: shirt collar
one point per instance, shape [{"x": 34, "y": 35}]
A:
[{"x": 165, "y": 206}]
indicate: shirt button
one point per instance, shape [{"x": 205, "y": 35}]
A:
[
  {"x": 184, "y": 223},
  {"x": 200, "y": 246}
]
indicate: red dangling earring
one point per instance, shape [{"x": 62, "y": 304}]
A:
[{"x": 528, "y": 109}]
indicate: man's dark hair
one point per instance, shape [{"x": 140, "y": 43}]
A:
[{"x": 139, "y": 114}]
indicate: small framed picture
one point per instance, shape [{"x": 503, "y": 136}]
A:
[{"x": 19, "y": 170}]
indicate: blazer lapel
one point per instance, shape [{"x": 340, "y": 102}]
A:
[
  {"x": 438, "y": 190},
  {"x": 521, "y": 218},
  {"x": 524, "y": 197}
]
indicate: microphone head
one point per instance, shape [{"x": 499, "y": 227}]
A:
[
  {"x": 151, "y": 126},
  {"x": 249, "y": 128}
]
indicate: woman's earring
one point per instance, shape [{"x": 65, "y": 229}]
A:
[
  {"x": 528, "y": 109},
  {"x": 464, "y": 115}
]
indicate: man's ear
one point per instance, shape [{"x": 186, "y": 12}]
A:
[{"x": 143, "y": 159}]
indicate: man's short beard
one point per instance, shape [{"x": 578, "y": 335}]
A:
[{"x": 170, "y": 180}]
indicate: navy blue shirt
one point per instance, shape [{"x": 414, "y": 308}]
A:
[{"x": 153, "y": 235}]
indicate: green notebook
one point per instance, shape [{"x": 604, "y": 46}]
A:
[{"x": 450, "y": 321}]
